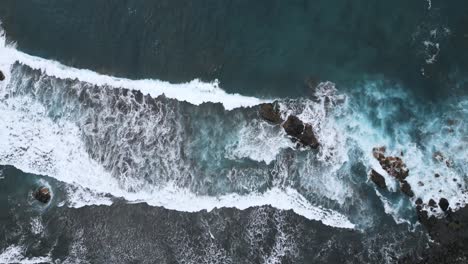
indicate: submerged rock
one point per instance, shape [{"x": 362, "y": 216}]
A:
[
  {"x": 2, "y": 76},
  {"x": 301, "y": 132},
  {"x": 378, "y": 179},
  {"x": 443, "y": 204},
  {"x": 42, "y": 194},
  {"x": 270, "y": 113}
]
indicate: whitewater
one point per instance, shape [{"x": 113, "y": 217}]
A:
[{"x": 34, "y": 143}]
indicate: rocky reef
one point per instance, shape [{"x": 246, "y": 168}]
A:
[
  {"x": 299, "y": 131},
  {"x": 395, "y": 167}
]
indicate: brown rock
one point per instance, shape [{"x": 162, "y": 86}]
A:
[
  {"x": 42, "y": 195},
  {"x": 301, "y": 132},
  {"x": 378, "y": 179},
  {"x": 270, "y": 113},
  {"x": 293, "y": 126}
]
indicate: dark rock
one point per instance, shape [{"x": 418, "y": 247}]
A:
[
  {"x": 437, "y": 175},
  {"x": 443, "y": 204},
  {"x": 378, "y": 179},
  {"x": 432, "y": 203},
  {"x": 301, "y": 132},
  {"x": 419, "y": 201},
  {"x": 392, "y": 165},
  {"x": 450, "y": 237},
  {"x": 395, "y": 167},
  {"x": 406, "y": 188},
  {"x": 308, "y": 138},
  {"x": 2, "y": 76},
  {"x": 42, "y": 195},
  {"x": 293, "y": 126},
  {"x": 270, "y": 113}
]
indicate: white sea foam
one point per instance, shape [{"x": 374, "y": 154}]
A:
[
  {"x": 195, "y": 91},
  {"x": 436, "y": 135},
  {"x": 260, "y": 141},
  {"x": 36, "y": 225},
  {"x": 15, "y": 254},
  {"x": 34, "y": 143}
]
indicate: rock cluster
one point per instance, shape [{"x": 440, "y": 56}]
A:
[
  {"x": 42, "y": 194},
  {"x": 298, "y": 130},
  {"x": 395, "y": 167}
]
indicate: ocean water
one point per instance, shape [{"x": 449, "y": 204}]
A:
[{"x": 142, "y": 117}]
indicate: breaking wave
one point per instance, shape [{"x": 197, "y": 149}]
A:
[
  {"x": 121, "y": 142},
  {"x": 106, "y": 135}
]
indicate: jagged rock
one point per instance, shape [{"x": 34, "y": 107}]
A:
[
  {"x": 42, "y": 195},
  {"x": 432, "y": 203},
  {"x": 301, "y": 132},
  {"x": 2, "y": 76},
  {"x": 270, "y": 113},
  {"x": 450, "y": 235},
  {"x": 443, "y": 204},
  {"x": 378, "y": 179},
  {"x": 392, "y": 165},
  {"x": 395, "y": 167},
  {"x": 406, "y": 188}
]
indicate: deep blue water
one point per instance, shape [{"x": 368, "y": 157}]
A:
[{"x": 262, "y": 48}]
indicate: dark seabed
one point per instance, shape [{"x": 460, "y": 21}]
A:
[{"x": 148, "y": 165}]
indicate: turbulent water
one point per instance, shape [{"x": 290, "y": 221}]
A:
[{"x": 171, "y": 162}]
